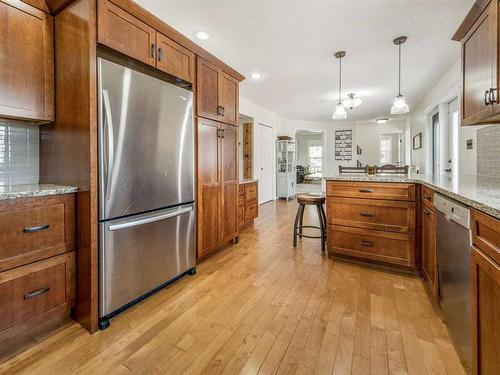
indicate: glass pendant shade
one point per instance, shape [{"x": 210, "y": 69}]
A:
[
  {"x": 340, "y": 113},
  {"x": 399, "y": 107}
]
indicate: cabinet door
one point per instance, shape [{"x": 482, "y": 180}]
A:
[
  {"x": 479, "y": 64},
  {"x": 174, "y": 58},
  {"x": 123, "y": 32},
  {"x": 429, "y": 259},
  {"x": 228, "y": 98},
  {"x": 26, "y": 62},
  {"x": 230, "y": 180},
  {"x": 209, "y": 187},
  {"x": 207, "y": 90},
  {"x": 485, "y": 290}
]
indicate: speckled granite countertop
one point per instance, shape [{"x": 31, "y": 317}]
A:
[
  {"x": 33, "y": 190},
  {"x": 248, "y": 181},
  {"x": 482, "y": 193}
]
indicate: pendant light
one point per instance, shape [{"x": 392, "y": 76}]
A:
[
  {"x": 340, "y": 113},
  {"x": 400, "y": 106},
  {"x": 352, "y": 101}
]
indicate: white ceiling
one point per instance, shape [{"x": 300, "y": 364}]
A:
[{"x": 291, "y": 42}]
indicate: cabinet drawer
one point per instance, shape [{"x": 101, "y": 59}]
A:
[
  {"x": 486, "y": 234},
  {"x": 28, "y": 291},
  {"x": 250, "y": 211},
  {"x": 395, "y": 216},
  {"x": 241, "y": 200},
  {"x": 428, "y": 197},
  {"x": 393, "y": 248},
  {"x": 250, "y": 192},
  {"x": 175, "y": 59},
  {"x": 382, "y": 190},
  {"x": 34, "y": 229}
]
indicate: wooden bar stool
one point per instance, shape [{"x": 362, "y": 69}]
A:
[{"x": 309, "y": 199}]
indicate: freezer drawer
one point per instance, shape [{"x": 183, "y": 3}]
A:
[{"x": 139, "y": 253}]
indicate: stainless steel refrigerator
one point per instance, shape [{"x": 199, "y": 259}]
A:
[{"x": 146, "y": 185}]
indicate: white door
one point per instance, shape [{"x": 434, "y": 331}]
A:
[{"x": 266, "y": 161}]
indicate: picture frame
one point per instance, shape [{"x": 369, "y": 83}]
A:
[{"x": 417, "y": 141}]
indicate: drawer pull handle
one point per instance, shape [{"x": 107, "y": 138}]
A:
[
  {"x": 427, "y": 212},
  {"x": 366, "y": 243},
  {"x": 36, "y": 292},
  {"x": 367, "y": 214},
  {"x": 36, "y": 228},
  {"x": 366, "y": 190},
  {"x": 427, "y": 197}
]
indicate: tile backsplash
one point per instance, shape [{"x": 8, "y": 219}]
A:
[
  {"x": 19, "y": 153},
  {"x": 488, "y": 151}
]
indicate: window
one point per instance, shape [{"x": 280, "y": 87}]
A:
[
  {"x": 315, "y": 156},
  {"x": 385, "y": 151}
]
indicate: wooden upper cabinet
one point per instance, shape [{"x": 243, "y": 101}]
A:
[
  {"x": 125, "y": 33},
  {"x": 26, "y": 62},
  {"x": 480, "y": 77},
  {"x": 228, "y": 98},
  {"x": 217, "y": 93},
  {"x": 174, "y": 58},
  {"x": 207, "y": 90}
]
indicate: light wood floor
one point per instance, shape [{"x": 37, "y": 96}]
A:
[{"x": 263, "y": 307}]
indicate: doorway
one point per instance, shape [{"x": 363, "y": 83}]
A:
[
  {"x": 266, "y": 163},
  {"x": 309, "y": 160}
]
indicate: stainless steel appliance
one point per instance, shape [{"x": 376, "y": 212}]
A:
[
  {"x": 146, "y": 185},
  {"x": 454, "y": 241}
]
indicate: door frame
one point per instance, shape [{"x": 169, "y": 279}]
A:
[{"x": 258, "y": 138}]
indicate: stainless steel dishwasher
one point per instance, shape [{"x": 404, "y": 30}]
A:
[{"x": 453, "y": 236}]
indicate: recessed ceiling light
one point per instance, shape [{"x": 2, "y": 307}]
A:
[
  {"x": 381, "y": 120},
  {"x": 256, "y": 75},
  {"x": 202, "y": 35}
]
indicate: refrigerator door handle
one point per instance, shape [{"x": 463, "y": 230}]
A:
[
  {"x": 150, "y": 219},
  {"x": 110, "y": 145}
]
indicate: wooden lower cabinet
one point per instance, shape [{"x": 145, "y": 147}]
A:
[
  {"x": 429, "y": 250},
  {"x": 218, "y": 181},
  {"x": 372, "y": 221},
  {"x": 247, "y": 203},
  {"x": 485, "y": 289},
  {"x": 34, "y": 291}
]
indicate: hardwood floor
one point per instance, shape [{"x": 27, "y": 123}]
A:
[{"x": 264, "y": 307}]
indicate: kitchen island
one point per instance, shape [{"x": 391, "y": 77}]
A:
[{"x": 390, "y": 220}]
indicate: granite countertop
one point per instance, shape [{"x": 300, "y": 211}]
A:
[
  {"x": 248, "y": 181},
  {"x": 481, "y": 193},
  {"x": 33, "y": 190}
]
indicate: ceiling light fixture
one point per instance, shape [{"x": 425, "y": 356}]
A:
[
  {"x": 400, "y": 106},
  {"x": 340, "y": 113},
  {"x": 381, "y": 120},
  {"x": 352, "y": 101},
  {"x": 202, "y": 35},
  {"x": 256, "y": 76}
]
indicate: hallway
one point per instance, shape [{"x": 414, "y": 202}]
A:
[{"x": 262, "y": 306}]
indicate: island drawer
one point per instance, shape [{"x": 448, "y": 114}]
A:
[
  {"x": 428, "y": 197},
  {"x": 371, "y": 190},
  {"x": 392, "y": 248},
  {"x": 486, "y": 234},
  {"x": 35, "y": 228},
  {"x": 32, "y": 290},
  {"x": 393, "y": 216}
]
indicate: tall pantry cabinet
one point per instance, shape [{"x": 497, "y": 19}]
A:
[{"x": 217, "y": 128}]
